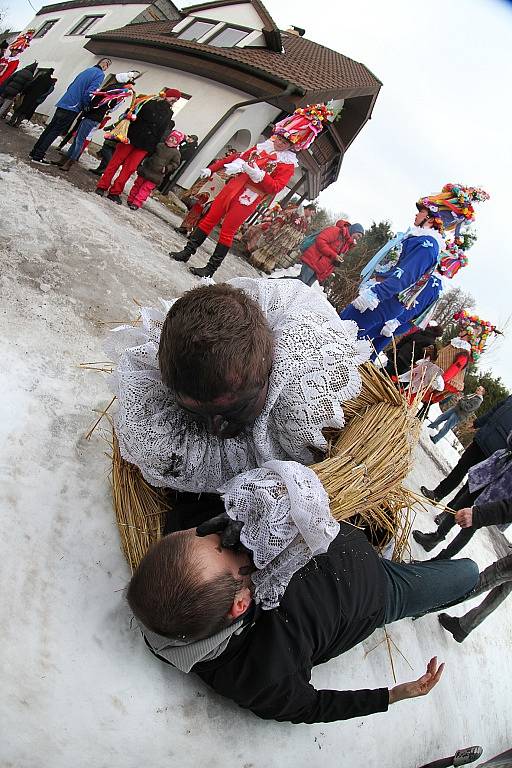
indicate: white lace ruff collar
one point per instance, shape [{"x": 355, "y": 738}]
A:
[
  {"x": 422, "y": 232},
  {"x": 459, "y": 343},
  {"x": 286, "y": 157}
]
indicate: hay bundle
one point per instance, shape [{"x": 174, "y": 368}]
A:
[{"x": 363, "y": 473}]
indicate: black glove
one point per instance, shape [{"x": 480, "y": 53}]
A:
[{"x": 228, "y": 530}]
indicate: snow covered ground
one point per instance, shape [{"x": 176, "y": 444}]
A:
[{"x": 78, "y": 686}]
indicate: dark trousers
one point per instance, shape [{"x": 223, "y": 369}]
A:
[
  {"x": 415, "y": 589},
  {"x": 464, "y": 498},
  {"x": 58, "y": 125},
  {"x": 471, "y": 456},
  {"x": 497, "y": 580}
]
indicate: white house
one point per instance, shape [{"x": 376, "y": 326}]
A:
[{"x": 237, "y": 71}]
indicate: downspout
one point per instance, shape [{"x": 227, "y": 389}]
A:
[{"x": 289, "y": 91}]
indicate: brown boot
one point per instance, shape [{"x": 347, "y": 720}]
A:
[{"x": 65, "y": 164}]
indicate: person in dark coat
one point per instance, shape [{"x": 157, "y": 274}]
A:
[
  {"x": 493, "y": 430},
  {"x": 165, "y": 159},
  {"x": 327, "y": 250},
  {"x": 411, "y": 348},
  {"x": 152, "y": 123},
  {"x": 16, "y": 85},
  {"x": 205, "y": 620},
  {"x": 33, "y": 95}
]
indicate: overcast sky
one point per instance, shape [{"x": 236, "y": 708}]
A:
[{"x": 444, "y": 114}]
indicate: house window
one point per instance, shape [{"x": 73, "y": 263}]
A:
[
  {"x": 196, "y": 30},
  {"x": 228, "y": 37},
  {"x": 45, "y": 28},
  {"x": 84, "y": 25}
]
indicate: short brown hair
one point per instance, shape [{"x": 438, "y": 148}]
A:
[
  {"x": 215, "y": 339},
  {"x": 167, "y": 594}
]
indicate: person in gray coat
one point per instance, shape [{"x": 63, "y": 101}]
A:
[
  {"x": 493, "y": 428},
  {"x": 150, "y": 173},
  {"x": 463, "y": 408},
  {"x": 14, "y": 86}
]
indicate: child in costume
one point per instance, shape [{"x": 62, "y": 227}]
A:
[
  {"x": 165, "y": 159},
  {"x": 258, "y": 172},
  {"x": 379, "y": 307}
]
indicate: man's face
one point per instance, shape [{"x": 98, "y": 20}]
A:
[
  {"x": 480, "y": 391},
  {"x": 105, "y": 64},
  {"x": 228, "y": 415},
  {"x": 281, "y": 144},
  {"x": 171, "y": 100},
  {"x": 421, "y": 217},
  {"x": 356, "y": 237}
]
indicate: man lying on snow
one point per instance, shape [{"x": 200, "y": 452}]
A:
[{"x": 202, "y": 606}]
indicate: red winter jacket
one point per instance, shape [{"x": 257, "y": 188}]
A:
[{"x": 330, "y": 243}]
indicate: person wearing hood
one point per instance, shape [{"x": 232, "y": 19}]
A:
[
  {"x": 327, "y": 250},
  {"x": 33, "y": 95},
  {"x": 76, "y": 98},
  {"x": 16, "y": 85},
  {"x": 102, "y": 102},
  {"x": 165, "y": 159}
]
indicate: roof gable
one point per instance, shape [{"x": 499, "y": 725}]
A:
[{"x": 268, "y": 26}]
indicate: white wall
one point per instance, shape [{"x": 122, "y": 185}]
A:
[
  {"x": 66, "y": 52},
  {"x": 243, "y": 14}
]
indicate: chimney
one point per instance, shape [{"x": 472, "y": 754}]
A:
[{"x": 297, "y": 31}]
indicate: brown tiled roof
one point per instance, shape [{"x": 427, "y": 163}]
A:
[
  {"x": 303, "y": 63},
  {"x": 66, "y": 6}
]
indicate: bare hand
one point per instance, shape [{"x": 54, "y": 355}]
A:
[
  {"x": 464, "y": 517},
  {"x": 419, "y": 687}
]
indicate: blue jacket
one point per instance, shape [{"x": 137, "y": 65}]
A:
[
  {"x": 78, "y": 94},
  {"x": 419, "y": 254},
  {"x": 494, "y": 427}
]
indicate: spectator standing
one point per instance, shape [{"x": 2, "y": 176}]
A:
[
  {"x": 327, "y": 250},
  {"x": 149, "y": 125},
  {"x": 493, "y": 429},
  {"x": 165, "y": 159},
  {"x": 14, "y": 86},
  {"x": 76, "y": 98},
  {"x": 33, "y": 95},
  {"x": 464, "y": 407}
]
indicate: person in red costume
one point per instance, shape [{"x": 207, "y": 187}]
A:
[{"x": 261, "y": 171}]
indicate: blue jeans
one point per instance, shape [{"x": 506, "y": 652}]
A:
[
  {"x": 307, "y": 275},
  {"x": 450, "y": 418},
  {"x": 84, "y": 129},
  {"x": 57, "y": 126},
  {"x": 418, "y": 588}
]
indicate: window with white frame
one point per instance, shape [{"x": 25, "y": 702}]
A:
[
  {"x": 228, "y": 37},
  {"x": 45, "y": 28},
  {"x": 196, "y": 29},
  {"x": 84, "y": 25}
]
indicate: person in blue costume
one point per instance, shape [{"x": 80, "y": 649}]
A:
[
  {"x": 397, "y": 290},
  {"x": 403, "y": 268}
]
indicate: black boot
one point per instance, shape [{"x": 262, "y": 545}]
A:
[
  {"x": 195, "y": 240},
  {"x": 452, "y": 624},
  {"x": 428, "y": 494},
  {"x": 214, "y": 263},
  {"x": 427, "y": 540}
]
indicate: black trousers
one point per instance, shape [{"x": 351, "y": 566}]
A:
[
  {"x": 471, "y": 456},
  {"x": 463, "y": 499},
  {"x": 59, "y": 124}
]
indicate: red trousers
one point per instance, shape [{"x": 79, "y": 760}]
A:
[
  {"x": 140, "y": 191},
  {"x": 231, "y": 211},
  {"x": 128, "y": 158}
]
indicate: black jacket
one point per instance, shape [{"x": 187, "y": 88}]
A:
[
  {"x": 19, "y": 81},
  {"x": 94, "y": 111},
  {"x": 35, "y": 93},
  {"x": 154, "y": 121},
  {"x": 330, "y": 605},
  {"x": 494, "y": 427},
  {"x": 493, "y": 513},
  {"x": 409, "y": 349}
]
